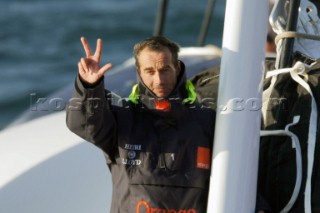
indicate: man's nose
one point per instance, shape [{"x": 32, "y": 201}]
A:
[{"x": 158, "y": 78}]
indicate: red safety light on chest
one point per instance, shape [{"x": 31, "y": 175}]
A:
[{"x": 163, "y": 105}]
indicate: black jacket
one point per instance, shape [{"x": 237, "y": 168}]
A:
[
  {"x": 159, "y": 160},
  {"x": 289, "y": 100}
]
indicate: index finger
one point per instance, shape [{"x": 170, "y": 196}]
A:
[
  {"x": 86, "y": 46},
  {"x": 98, "y": 49}
]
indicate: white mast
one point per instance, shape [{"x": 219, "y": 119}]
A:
[{"x": 237, "y": 133}]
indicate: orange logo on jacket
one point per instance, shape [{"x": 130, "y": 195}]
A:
[
  {"x": 149, "y": 209},
  {"x": 203, "y": 158}
]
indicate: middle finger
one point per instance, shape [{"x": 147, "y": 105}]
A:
[{"x": 86, "y": 46}]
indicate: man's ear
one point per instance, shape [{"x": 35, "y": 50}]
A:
[{"x": 178, "y": 68}]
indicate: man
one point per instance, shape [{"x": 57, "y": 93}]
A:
[{"x": 158, "y": 144}]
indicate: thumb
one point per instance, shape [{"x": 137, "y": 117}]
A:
[{"x": 104, "y": 69}]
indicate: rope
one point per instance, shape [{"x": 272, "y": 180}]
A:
[{"x": 292, "y": 34}]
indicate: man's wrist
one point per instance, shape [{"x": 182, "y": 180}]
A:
[{"x": 88, "y": 85}]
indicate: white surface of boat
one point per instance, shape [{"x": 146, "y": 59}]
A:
[{"x": 47, "y": 169}]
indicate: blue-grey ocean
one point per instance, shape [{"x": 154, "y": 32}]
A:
[{"x": 40, "y": 39}]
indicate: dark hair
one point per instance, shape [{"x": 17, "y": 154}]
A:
[{"x": 156, "y": 43}]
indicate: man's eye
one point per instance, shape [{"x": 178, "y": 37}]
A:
[{"x": 150, "y": 72}]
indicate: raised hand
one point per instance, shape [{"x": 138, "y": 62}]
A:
[{"x": 89, "y": 67}]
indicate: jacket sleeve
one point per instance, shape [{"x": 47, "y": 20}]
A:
[{"x": 89, "y": 115}]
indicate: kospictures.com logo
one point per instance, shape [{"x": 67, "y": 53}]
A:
[{"x": 74, "y": 104}]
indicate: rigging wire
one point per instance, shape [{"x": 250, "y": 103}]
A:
[
  {"x": 161, "y": 15},
  {"x": 206, "y": 22}
]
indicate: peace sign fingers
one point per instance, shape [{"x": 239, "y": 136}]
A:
[
  {"x": 89, "y": 67},
  {"x": 87, "y": 49}
]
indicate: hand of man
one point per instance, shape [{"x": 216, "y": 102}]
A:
[{"x": 89, "y": 67}]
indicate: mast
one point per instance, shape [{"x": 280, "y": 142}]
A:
[{"x": 237, "y": 134}]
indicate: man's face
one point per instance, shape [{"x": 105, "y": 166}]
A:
[{"x": 157, "y": 71}]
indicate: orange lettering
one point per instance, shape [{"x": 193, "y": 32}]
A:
[
  {"x": 159, "y": 210},
  {"x": 145, "y": 203}
]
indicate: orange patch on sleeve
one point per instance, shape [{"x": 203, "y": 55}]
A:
[{"x": 203, "y": 158}]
